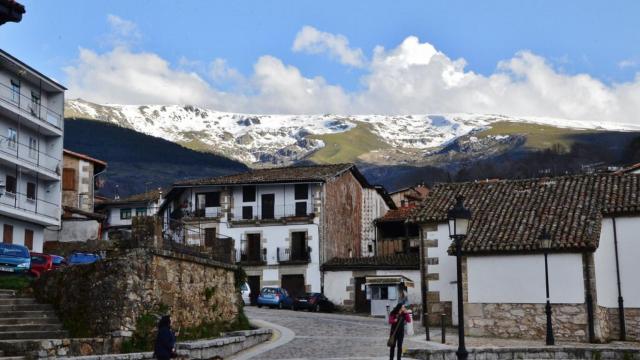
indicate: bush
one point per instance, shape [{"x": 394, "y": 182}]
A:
[{"x": 15, "y": 282}]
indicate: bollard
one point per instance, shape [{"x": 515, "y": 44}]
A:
[
  {"x": 442, "y": 328},
  {"x": 388, "y": 311}
]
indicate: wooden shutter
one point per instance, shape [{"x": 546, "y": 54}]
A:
[
  {"x": 28, "y": 239},
  {"x": 68, "y": 179},
  {"x": 7, "y": 234}
]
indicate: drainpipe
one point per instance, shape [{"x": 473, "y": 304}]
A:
[{"x": 623, "y": 332}]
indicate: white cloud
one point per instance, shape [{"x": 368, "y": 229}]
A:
[
  {"x": 122, "y": 32},
  {"x": 313, "y": 41},
  {"x": 413, "y": 77},
  {"x": 628, "y": 63}
]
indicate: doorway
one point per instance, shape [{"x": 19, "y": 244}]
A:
[
  {"x": 294, "y": 284},
  {"x": 254, "y": 286},
  {"x": 268, "y": 206},
  {"x": 362, "y": 305}
]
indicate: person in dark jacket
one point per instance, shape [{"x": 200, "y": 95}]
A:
[
  {"x": 397, "y": 318},
  {"x": 165, "y": 347}
]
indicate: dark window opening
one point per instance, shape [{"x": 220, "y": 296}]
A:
[
  {"x": 31, "y": 191},
  {"x": 247, "y": 212},
  {"x": 11, "y": 184},
  {"x": 301, "y": 191},
  {"x": 248, "y": 193},
  {"x": 301, "y": 208}
]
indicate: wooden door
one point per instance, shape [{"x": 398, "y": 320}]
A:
[
  {"x": 362, "y": 304},
  {"x": 268, "y": 206},
  {"x": 254, "y": 285},
  {"x": 299, "y": 246},
  {"x": 294, "y": 284},
  {"x": 253, "y": 247},
  {"x": 28, "y": 239},
  {"x": 7, "y": 234}
]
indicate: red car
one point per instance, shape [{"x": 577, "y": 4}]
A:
[{"x": 40, "y": 263}]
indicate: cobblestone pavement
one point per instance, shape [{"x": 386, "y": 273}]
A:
[{"x": 327, "y": 336}]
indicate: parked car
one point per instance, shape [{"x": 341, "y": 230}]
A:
[
  {"x": 83, "y": 258},
  {"x": 313, "y": 302},
  {"x": 40, "y": 263},
  {"x": 246, "y": 294},
  {"x": 14, "y": 259},
  {"x": 275, "y": 297},
  {"x": 58, "y": 261}
]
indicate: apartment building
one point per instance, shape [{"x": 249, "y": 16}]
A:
[
  {"x": 284, "y": 222},
  {"x": 119, "y": 212},
  {"x": 31, "y": 131}
]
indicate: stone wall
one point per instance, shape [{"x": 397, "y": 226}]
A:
[
  {"x": 527, "y": 321},
  {"x": 516, "y": 353},
  {"x": 112, "y": 296},
  {"x": 609, "y": 323}
]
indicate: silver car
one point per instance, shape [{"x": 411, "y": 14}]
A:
[{"x": 246, "y": 294}]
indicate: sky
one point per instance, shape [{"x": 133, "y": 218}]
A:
[{"x": 564, "y": 59}]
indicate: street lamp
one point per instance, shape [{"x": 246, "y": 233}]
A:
[
  {"x": 545, "y": 245},
  {"x": 458, "y": 218}
]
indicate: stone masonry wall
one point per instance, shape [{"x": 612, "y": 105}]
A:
[
  {"x": 527, "y": 321},
  {"x": 108, "y": 298},
  {"x": 610, "y": 323}
]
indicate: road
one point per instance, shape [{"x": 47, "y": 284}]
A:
[{"x": 325, "y": 336}]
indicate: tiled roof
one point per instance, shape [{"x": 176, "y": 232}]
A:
[
  {"x": 397, "y": 261},
  {"x": 399, "y": 214},
  {"x": 151, "y": 195},
  {"x": 509, "y": 215},
  {"x": 274, "y": 175}
]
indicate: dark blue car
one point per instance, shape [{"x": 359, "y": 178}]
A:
[
  {"x": 275, "y": 297},
  {"x": 14, "y": 259},
  {"x": 82, "y": 258}
]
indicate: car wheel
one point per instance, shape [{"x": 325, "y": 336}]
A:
[
  {"x": 316, "y": 308},
  {"x": 259, "y": 306}
]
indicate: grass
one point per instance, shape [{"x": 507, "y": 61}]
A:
[
  {"x": 15, "y": 282},
  {"x": 538, "y": 136},
  {"x": 347, "y": 146}
]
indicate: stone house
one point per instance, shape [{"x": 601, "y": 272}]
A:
[
  {"x": 119, "y": 212},
  {"x": 394, "y": 235},
  {"x": 411, "y": 195},
  {"x": 593, "y": 221},
  {"x": 284, "y": 222},
  {"x": 79, "y": 184}
]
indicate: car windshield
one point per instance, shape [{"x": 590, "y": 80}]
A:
[
  {"x": 269, "y": 291},
  {"x": 14, "y": 251},
  {"x": 36, "y": 259}
]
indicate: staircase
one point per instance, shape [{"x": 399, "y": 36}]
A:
[{"x": 23, "y": 322}]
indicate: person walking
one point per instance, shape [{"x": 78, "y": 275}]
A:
[
  {"x": 165, "y": 347},
  {"x": 397, "y": 318}
]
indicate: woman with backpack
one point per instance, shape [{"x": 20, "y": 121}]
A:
[{"x": 397, "y": 318}]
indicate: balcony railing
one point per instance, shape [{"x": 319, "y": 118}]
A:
[
  {"x": 211, "y": 212},
  {"x": 287, "y": 255},
  {"x": 280, "y": 211},
  {"x": 27, "y": 106},
  {"x": 31, "y": 205},
  {"x": 28, "y": 154},
  {"x": 244, "y": 256}
]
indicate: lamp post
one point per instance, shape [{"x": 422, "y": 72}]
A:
[
  {"x": 458, "y": 218},
  {"x": 545, "y": 245}
]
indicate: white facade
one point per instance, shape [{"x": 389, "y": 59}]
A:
[
  {"x": 373, "y": 207},
  {"x": 445, "y": 268},
  {"x": 627, "y": 230},
  {"x": 120, "y": 215},
  {"x": 520, "y": 279},
  {"x": 31, "y": 130}
]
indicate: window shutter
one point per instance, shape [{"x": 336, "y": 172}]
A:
[
  {"x": 68, "y": 179},
  {"x": 28, "y": 239}
]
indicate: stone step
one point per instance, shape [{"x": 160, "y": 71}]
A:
[
  {"x": 27, "y": 314},
  {"x": 12, "y": 357},
  {"x": 31, "y": 335},
  {"x": 17, "y": 301},
  {"x": 29, "y": 307},
  {"x": 30, "y": 327},
  {"x": 52, "y": 320},
  {"x": 7, "y": 293}
]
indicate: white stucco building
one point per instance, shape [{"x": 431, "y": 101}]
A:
[
  {"x": 120, "y": 212},
  {"x": 31, "y": 133},
  {"x": 593, "y": 222}
]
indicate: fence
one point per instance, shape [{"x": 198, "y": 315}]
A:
[{"x": 191, "y": 239}]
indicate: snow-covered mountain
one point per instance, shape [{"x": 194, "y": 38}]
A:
[{"x": 255, "y": 139}]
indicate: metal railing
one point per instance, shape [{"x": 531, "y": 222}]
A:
[
  {"x": 289, "y": 255},
  {"x": 280, "y": 211},
  {"x": 190, "y": 239},
  {"x": 29, "y": 154},
  {"x": 32, "y": 205},
  {"x": 26, "y": 105},
  {"x": 245, "y": 256}
]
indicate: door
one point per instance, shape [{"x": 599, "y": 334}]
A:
[
  {"x": 299, "y": 246},
  {"x": 254, "y": 286},
  {"x": 294, "y": 284},
  {"x": 7, "y": 234},
  {"x": 268, "y": 206},
  {"x": 28, "y": 239},
  {"x": 253, "y": 247},
  {"x": 362, "y": 304}
]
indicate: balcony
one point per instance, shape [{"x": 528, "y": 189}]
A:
[
  {"x": 26, "y": 208},
  {"x": 29, "y": 157},
  {"x": 280, "y": 213},
  {"x": 251, "y": 258},
  {"x": 287, "y": 256},
  {"x": 205, "y": 213},
  {"x": 29, "y": 109}
]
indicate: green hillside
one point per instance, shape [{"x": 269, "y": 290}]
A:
[
  {"x": 348, "y": 145},
  {"x": 537, "y": 136}
]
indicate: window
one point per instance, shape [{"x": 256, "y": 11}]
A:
[
  {"x": 28, "y": 239},
  {"x": 68, "y": 179},
  {"x": 248, "y": 193},
  {"x": 35, "y": 103},
  {"x": 11, "y": 184},
  {"x": 33, "y": 147},
  {"x": 247, "y": 212},
  {"x": 12, "y": 138},
  {"x": 31, "y": 191},
  {"x": 125, "y": 214},
  {"x": 209, "y": 199},
  {"x": 210, "y": 237},
  {"x": 301, "y": 208},
  {"x": 15, "y": 91},
  {"x": 379, "y": 293},
  {"x": 302, "y": 192},
  {"x": 7, "y": 234},
  {"x": 141, "y": 212}
]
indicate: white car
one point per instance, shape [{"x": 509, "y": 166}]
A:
[{"x": 246, "y": 294}]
